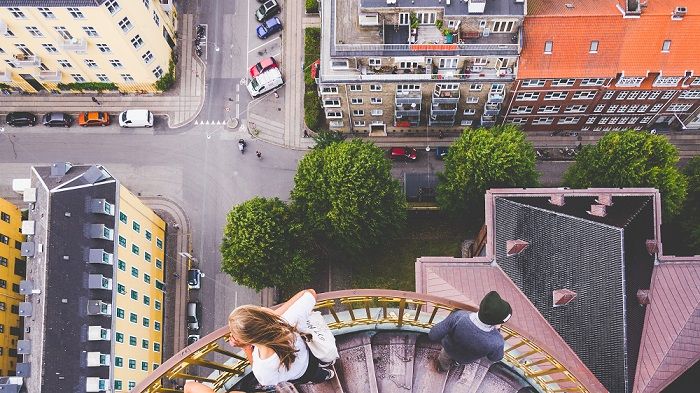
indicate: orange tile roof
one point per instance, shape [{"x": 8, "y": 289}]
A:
[
  {"x": 670, "y": 343},
  {"x": 629, "y": 45},
  {"x": 464, "y": 280}
]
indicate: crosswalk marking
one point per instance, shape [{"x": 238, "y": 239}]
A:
[{"x": 209, "y": 122}]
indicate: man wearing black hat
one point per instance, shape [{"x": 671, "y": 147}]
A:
[{"x": 467, "y": 337}]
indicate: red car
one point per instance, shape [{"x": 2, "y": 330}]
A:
[
  {"x": 403, "y": 153},
  {"x": 264, "y": 65}
]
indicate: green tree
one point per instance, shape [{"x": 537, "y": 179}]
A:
[
  {"x": 346, "y": 197},
  {"x": 261, "y": 247},
  {"x": 325, "y": 138},
  {"x": 631, "y": 159},
  {"x": 690, "y": 217},
  {"x": 482, "y": 159}
]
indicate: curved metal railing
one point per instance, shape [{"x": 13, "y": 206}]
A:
[{"x": 350, "y": 310}]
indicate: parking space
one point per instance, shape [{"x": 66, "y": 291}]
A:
[
  {"x": 271, "y": 44},
  {"x": 96, "y": 123}
]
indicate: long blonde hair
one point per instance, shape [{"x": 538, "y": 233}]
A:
[{"x": 260, "y": 326}]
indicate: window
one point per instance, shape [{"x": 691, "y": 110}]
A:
[
  {"x": 156, "y": 326},
  {"x": 543, "y": 121},
  {"x": 656, "y": 107},
  {"x": 569, "y": 120},
  {"x": 147, "y": 3},
  {"x": 407, "y": 65},
  {"x": 555, "y": 95},
  {"x": 135, "y": 272},
  {"x": 331, "y": 102},
  {"x": 3, "y": 283},
  {"x": 667, "y": 80},
  {"x": 358, "y": 112},
  {"x": 466, "y": 122},
  {"x": 355, "y": 87},
  {"x": 594, "y": 47},
  {"x": 633, "y": 81},
  {"x": 144, "y": 366},
  {"x": 592, "y": 82},
  {"x": 469, "y": 112},
  {"x": 90, "y": 63},
  {"x": 112, "y": 6},
  {"x": 64, "y": 63},
  {"x": 356, "y": 101},
  {"x": 132, "y": 363},
  {"x": 34, "y": 31},
  {"x": 147, "y": 256},
  {"x": 159, "y": 263},
  {"x": 50, "y": 48},
  {"x": 104, "y": 48},
  {"x": 450, "y": 62},
  {"x": 90, "y": 31},
  {"x": 608, "y": 95},
  {"x": 146, "y": 322},
  {"x": 633, "y": 108},
  {"x": 63, "y": 32},
  {"x": 533, "y": 83},
  {"x": 79, "y": 78},
  {"x": 612, "y": 108},
  {"x": 621, "y": 95},
  {"x": 521, "y": 110},
  {"x": 329, "y": 90},
  {"x": 159, "y": 243},
  {"x": 548, "y": 47},
  {"x": 137, "y": 42},
  {"x": 679, "y": 107},
  {"x": 633, "y": 95},
  {"x": 668, "y": 94},
  {"x": 690, "y": 94},
  {"x": 666, "y": 46},
  {"x": 17, "y": 13},
  {"x": 584, "y": 95},
  {"x": 645, "y": 119},
  {"x": 591, "y": 119},
  {"x": 125, "y": 24},
  {"x": 127, "y": 77},
  {"x": 121, "y": 289},
  {"x": 643, "y": 108},
  {"x": 654, "y": 95},
  {"x": 3, "y": 261},
  {"x": 549, "y": 109},
  {"x": 46, "y": 13},
  {"x": 375, "y": 100},
  {"x": 527, "y": 96},
  {"x": 4, "y": 239},
  {"x": 375, "y": 87},
  {"x": 377, "y": 112},
  {"x": 132, "y": 384},
  {"x": 359, "y": 123},
  {"x": 158, "y": 71},
  {"x": 563, "y": 82},
  {"x": 76, "y": 13},
  {"x": 134, "y": 293},
  {"x": 156, "y": 18},
  {"x": 476, "y": 87},
  {"x": 472, "y": 100},
  {"x": 157, "y": 305},
  {"x": 146, "y": 278},
  {"x": 503, "y": 26},
  {"x": 409, "y": 87},
  {"x": 121, "y": 265},
  {"x": 575, "y": 108},
  {"x": 156, "y": 347},
  {"x": 622, "y": 108},
  {"x": 334, "y": 114},
  {"x": 518, "y": 120},
  {"x": 426, "y": 18},
  {"x": 147, "y": 57}
]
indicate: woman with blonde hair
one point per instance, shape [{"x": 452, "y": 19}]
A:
[{"x": 273, "y": 345}]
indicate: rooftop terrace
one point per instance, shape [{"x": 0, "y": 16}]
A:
[{"x": 456, "y": 7}]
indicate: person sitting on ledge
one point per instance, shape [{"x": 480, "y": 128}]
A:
[{"x": 467, "y": 337}]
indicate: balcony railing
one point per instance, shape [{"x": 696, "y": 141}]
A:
[
  {"x": 492, "y": 109},
  {"x": 486, "y": 75},
  {"x": 495, "y": 98},
  {"x": 419, "y": 49},
  {"x": 6, "y": 76},
  {"x": 408, "y": 97},
  {"x": 348, "y": 311},
  {"x": 75, "y": 45},
  {"x": 488, "y": 121},
  {"x": 21, "y": 60},
  {"x": 167, "y": 5},
  {"x": 50, "y": 76}
]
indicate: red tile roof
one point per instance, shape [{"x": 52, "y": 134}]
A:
[
  {"x": 629, "y": 45},
  {"x": 468, "y": 281},
  {"x": 671, "y": 336}
]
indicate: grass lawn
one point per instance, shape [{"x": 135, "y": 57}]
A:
[{"x": 393, "y": 266}]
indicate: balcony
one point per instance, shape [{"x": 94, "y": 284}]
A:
[
  {"x": 6, "y": 76},
  {"x": 50, "y": 76},
  {"x": 408, "y": 109},
  {"x": 21, "y": 60},
  {"x": 441, "y": 109},
  {"x": 488, "y": 121},
  {"x": 496, "y": 97},
  {"x": 408, "y": 97},
  {"x": 492, "y": 109},
  {"x": 75, "y": 45},
  {"x": 445, "y": 96},
  {"x": 389, "y": 330},
  {"x": 166, "y": 5},
  {"x": 3, "y": 27}
]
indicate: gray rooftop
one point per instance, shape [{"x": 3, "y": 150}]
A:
[
  {"x": 51, "y": 3},
  {"x": 456, "y": 8}
]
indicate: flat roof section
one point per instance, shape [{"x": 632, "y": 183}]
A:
[{"x": 455, "y": 8}]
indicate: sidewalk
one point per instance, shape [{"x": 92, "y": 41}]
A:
[{"x": 181, "y": 104}]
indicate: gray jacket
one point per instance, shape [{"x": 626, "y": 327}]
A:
[{"x": 464, "y": 341}]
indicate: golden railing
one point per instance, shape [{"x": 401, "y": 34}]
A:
[{"x": 345, "y": 311}]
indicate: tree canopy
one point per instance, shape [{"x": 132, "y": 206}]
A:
[
  {"x": 261, "y": 246},
  {"x": 690, "y": 216},
  {"x": 482, "y": 159},
  {"x": 346, "y": 198},
  {"x": 631, "y": 159}
]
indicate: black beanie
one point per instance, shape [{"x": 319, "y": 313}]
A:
[{"x": 493, "y": 310}]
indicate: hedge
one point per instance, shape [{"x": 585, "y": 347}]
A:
[
  {"x": 313, "y": 113},
  {"x": 98, "y": 86},
  {"x": 312, "y": 6},
  {"x": 168, "y": 79}
]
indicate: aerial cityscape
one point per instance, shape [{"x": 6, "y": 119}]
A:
[{"x": 357, "y": 196}]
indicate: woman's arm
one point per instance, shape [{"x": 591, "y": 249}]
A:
[{"x": 285, "y": 306}]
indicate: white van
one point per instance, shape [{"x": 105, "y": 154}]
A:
[
  {"x": 136, "y": 118},
  {"x": 193, "y": 315},
  {"x": 265, "y": 82}
]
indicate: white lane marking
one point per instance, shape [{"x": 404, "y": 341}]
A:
[
  {"x": 238, "y": 110},
  {"x": 276, "y": 54},
  {"x": 263, "y": 44},
  {"x": 247, "y": 40}
]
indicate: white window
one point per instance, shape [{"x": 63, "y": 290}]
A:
[
  {"x": 690, "y": 94},
  {"x": 632, "y": 108},
  {"x": 104, "y": 48},
  {"x": 679, "y": 107},
  {"x": 447, "y": 86},
  {"x": 667, "y": 80},
  {"x": 17, "y": 13},
  {"x": 556, "y": 95},
  {"x": 548, "y": 48},
  {"x": 63, "y": 32},
  {"x": 622, "y": 108},
  {"x": 102, "y": 77},
  {"x": 127, "y": 77},
  {"x": 621, "y": 95},
  {"x": 466, "y": 122},
  {"x": 612, "y": 108},
  {"x": 643, "y": 108},
  {"x": 377, "y": 112},
  {"x": 34, "y": 31},
  {"x": 375, "y": 87},
  {"x": 666, "y": 46},
  {"x": 64, "y": 63},
  {"x": 404, "y": 18},
  {"x": 645, "y": 119},
  {"x": 584, "y": 95},
  {"x": 90, "y": 31},
  {"x": 426, "y": 18},
  {"x": 591, "y": 119},
  {"x": 592, "y": 82},
  {"x": 521, "y": 110},
  {"x": 533, "y": 83},
  {"x": 585, "y": 128},
  {"x": 594, "y": 47},
  {"x": 76, "y": 13},
  {"x": 497, "y": 88},
  {"x": 78, "y": 78},
  {"x": 50, "y": 48},
  {"x": 450, "y": 62},
  {"x": 90, "y": 63},
  {"x": 156, "y": 18},
  {"x": 527, "y": 96},
  {"x": 335, "y": 123},
  {"x": 563, "y": 82},
  {"x": 575, "y": 108},
  {"x": 502, "y": 26},
  {"x": 137, "y": 42},
  {"x": 542, "y": 121},
  {"x": 656, "y": 107},
  {"x": 518, "y": 120},
  {"x": 147, "y": 4},
  {"x": 331, "y": 102},
  {"x": 334, "y": 114},
  {"x": 469, "y": 112},
  {"x": 407, "y": 65},
  {"x": 654, "y": 95},
  {"x": 452, "y": 24},
  {"x": 403, "y": 87},
  {"x": 599, "y": 108},
  {"x": 633, "y": 95},
  {"x": 116, "y": 63},
  {"x": 112, "y": 6},
  {"x": 329, "y": 89},
  {"x": 125, "y": 24},
  {"x": 375, "y": 62},
  {"x": 355, "y": 87},
  {"x": 472, "y": 100},
  {"x": 613, "y": 120},
  {"x": 375, "y": 100},
  {"x": 481, "y": 61},
  {"x": 569, "y": 120},
  {"x": 476, "y": 87},
  {"x": 608, "y": 95},
  {"x": 46, "y": 13},
  {"x": 147, "y": 57},
  {"x": 643, "y": 95},
  {"x": 633, "y": 81},
  {"x": 356, "y": 101},
  {"x": 549, "y": 109},
  {"x": 358, "y": 112},
  {"x": 359, "y": 123},
  {"x": 604, "y": 120},
  {"x": 668, "y": 94}
]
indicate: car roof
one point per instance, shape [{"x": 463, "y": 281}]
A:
[{"x": 266, "y": 62}]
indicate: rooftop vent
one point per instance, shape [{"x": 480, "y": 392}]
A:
[
  {"x": 643, "y": 297},
  {"x": 562, "y": 297},
  {"x": 19, "y": 185},
  {"x": 514, "y": 247},
  {"x": 597, "y": 210},
  {"x": 569, "y": 5},
  {"x": 29, "y": 195},
  {"x": 557, "y": 200},
  {"x": 604, "y": 199},
  {"x": 652, "y": 246},
  {"x": 679, "y": 13},
  {"x": 60, "y": 169}
]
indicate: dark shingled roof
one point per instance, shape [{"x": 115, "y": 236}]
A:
[{"x": 602, "y": 259}]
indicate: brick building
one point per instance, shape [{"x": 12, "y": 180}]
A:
[{"x": 607, "y": 65}]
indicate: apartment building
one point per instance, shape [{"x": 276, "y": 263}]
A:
[
  {"x": 51, "y": 42},
  {"x": 405, "y": 66},
  {"x": 93, "y": 313},
  {"x": 607, "y": 66},
  {"x": 12, "y": 271}
]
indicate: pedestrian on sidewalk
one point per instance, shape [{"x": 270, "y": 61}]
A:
[
  {"x": 176, "y": 275},
  {"x": 276, "y": 94},
  {"x": 467, "y": 337},
  {"x": 306, "y": 134},
  {"x": 94, "y": 99},
  {"x": 257, "y": 153}
]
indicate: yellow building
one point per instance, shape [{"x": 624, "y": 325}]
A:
[
  {"x": 12, "y": 269},
  {"x": 126, "y": 42}
]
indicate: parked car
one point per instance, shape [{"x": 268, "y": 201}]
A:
[
  {"x": 136, "y": 118},
  {"x": 20, "y": 119},
  {"x": 267, "y": 10},
  {"x": 86, "y": 119},
  {"x": 192, "y": 338},
  {"x": 57, "y": 119},
  {"x": 194, "y": 278},
  {"x": 403, "y": 153},
  {"x": 265, "y": 82},
  {"x": 441, "y": 152},
  {"x": 269, "y": 27},
  {"x": 194, "y": 315},
  {"x": 262, "y": 66}
]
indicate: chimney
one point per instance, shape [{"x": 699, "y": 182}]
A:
[
  {"x": 557, "y": 200},
  {"x": 604, "y": 199},
  {"x": 562, "y": 297},
  {"x": 643, "y": 297},
  {"x": 514, "y": 247},
  {"x": 652, "y": 247},
  {"x": 597, "y": 210}
]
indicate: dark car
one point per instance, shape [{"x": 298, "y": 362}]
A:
[
  {"x": 269, "y": 27},
  {"x": 20, "y": 119},
  {"x": 403, "y": 153},
  {"x": 266, "y": 11},
  {"x": 262, "y": 66},
  {"x": 57, "y": 119},
  {"x": 194, "y": 278},
  {"x": 441, "y": 152}
]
